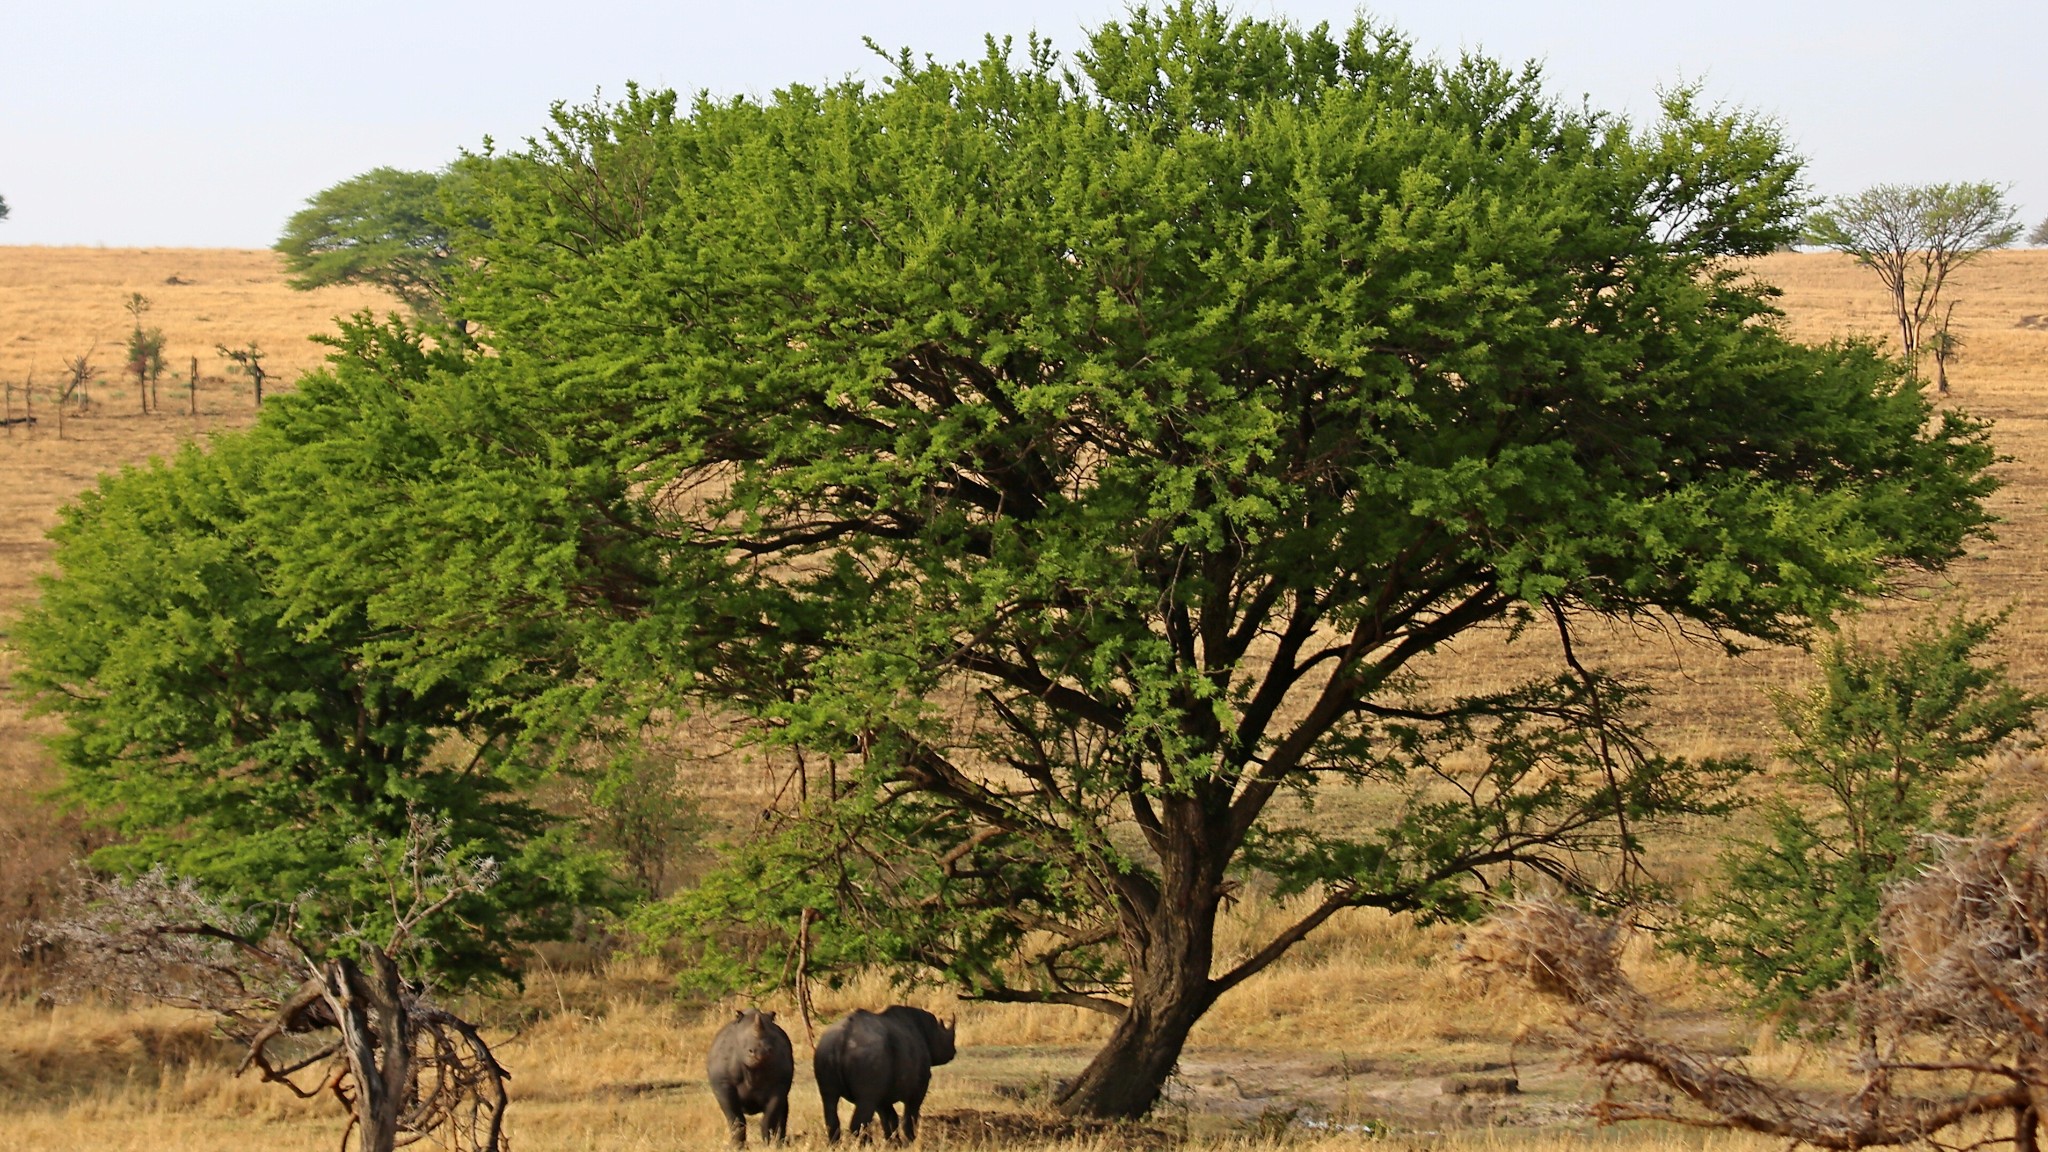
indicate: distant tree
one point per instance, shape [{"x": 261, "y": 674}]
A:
[
  {"x": 79, "y": 373},
  {"x": 386, "y": 228},
  {"x": 145, "y": 351},
  {"x": 2040, "y": 233},
  {"x": 3, "y": 207},
  {"x": 248, "y": 361},
  {"x": 1913, "y": 237},
  {"x": 1888, "y": 746}
]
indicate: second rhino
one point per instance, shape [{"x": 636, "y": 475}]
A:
[{"x": 877, "y": 1060}]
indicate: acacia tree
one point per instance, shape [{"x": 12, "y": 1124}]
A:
[
  {"x": 1913, "y": 237},
  {"x": 1078, "y": 460},
  {"x": 386, "y": 228}
]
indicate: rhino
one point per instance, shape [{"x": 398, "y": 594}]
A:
[
  {"x": 750, "y": 1068},
  {"x": 876, "y": 1061}
]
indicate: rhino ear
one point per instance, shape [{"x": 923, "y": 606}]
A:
[
  {"x": 768, "y": 1017},
  {"x": 739, "y": 1013}
]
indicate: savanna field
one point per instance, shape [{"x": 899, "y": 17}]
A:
[{"x": 1371, "y": 1032}]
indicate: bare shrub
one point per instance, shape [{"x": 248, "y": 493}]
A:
[
  {"x": 341, "y": 1020},
  {"x": 1956, "y": 1033}
]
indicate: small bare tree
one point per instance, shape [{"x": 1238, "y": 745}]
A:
[
  {"x": 341, "y": 1021},
  {"x": 78, "y": 371},
  {"x": 248, "y": 360},
  {"x": 1956, "y": 1035}
]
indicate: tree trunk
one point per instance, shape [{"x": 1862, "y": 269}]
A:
[
  {"x": 370, "y": 1009},
  {"x": 1907, "y": 348},
  {"x": 1170, "y": 989},
  {"x": 1125, "y": 1079}
]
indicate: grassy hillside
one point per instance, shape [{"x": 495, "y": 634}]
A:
[{"x": 1370, "y": 1024}]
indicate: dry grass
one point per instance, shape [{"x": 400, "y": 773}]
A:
[{"x": 610, "y": 1061}]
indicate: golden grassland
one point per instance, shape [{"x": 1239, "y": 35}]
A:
[
  {"x": 1360, "y": 1031},
  {"x": 1360, "y": 1025}
]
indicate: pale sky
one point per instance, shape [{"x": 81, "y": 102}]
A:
[{"x": 206, "y": 123}]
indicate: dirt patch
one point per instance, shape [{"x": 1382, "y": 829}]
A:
[
  {"x": 1269, "y": 1091},
  {"x": 977, "y": 1128}
]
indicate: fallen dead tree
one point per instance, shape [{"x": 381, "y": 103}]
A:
[
  {"x": 341, "y": 1021},
  {"x": 1954, "y": 1041}
]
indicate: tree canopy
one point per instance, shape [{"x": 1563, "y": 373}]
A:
[
  {"x": 1913, "y": 237},
  {"x": 236, "y": 730},
  {"x": 1078, "y": 459},
  {"x": 386, "y": 228}
]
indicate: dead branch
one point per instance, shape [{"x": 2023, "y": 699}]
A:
[
  {"x": 1966, "y": 953},
  {"x": 405, "y": 1068}
]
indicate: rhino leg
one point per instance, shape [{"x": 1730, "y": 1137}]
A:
[
  {"x": 911, "y": 1109},
  {"x": 775, "y": 1119},
  {"x": 831, "y": 1100},
  {"x": 728, "y": 1098},
  {"x": 858, "y": 1126},
  {"x": 888, "y": 1114}
]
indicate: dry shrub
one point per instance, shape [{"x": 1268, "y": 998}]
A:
[
  {"x": 1950, "y": 1040},
  {"x": 1968, "y": 945},
  {"x": 1559, "y": 951}
]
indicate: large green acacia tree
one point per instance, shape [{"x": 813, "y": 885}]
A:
[{"x": 1080, "y": 458}]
